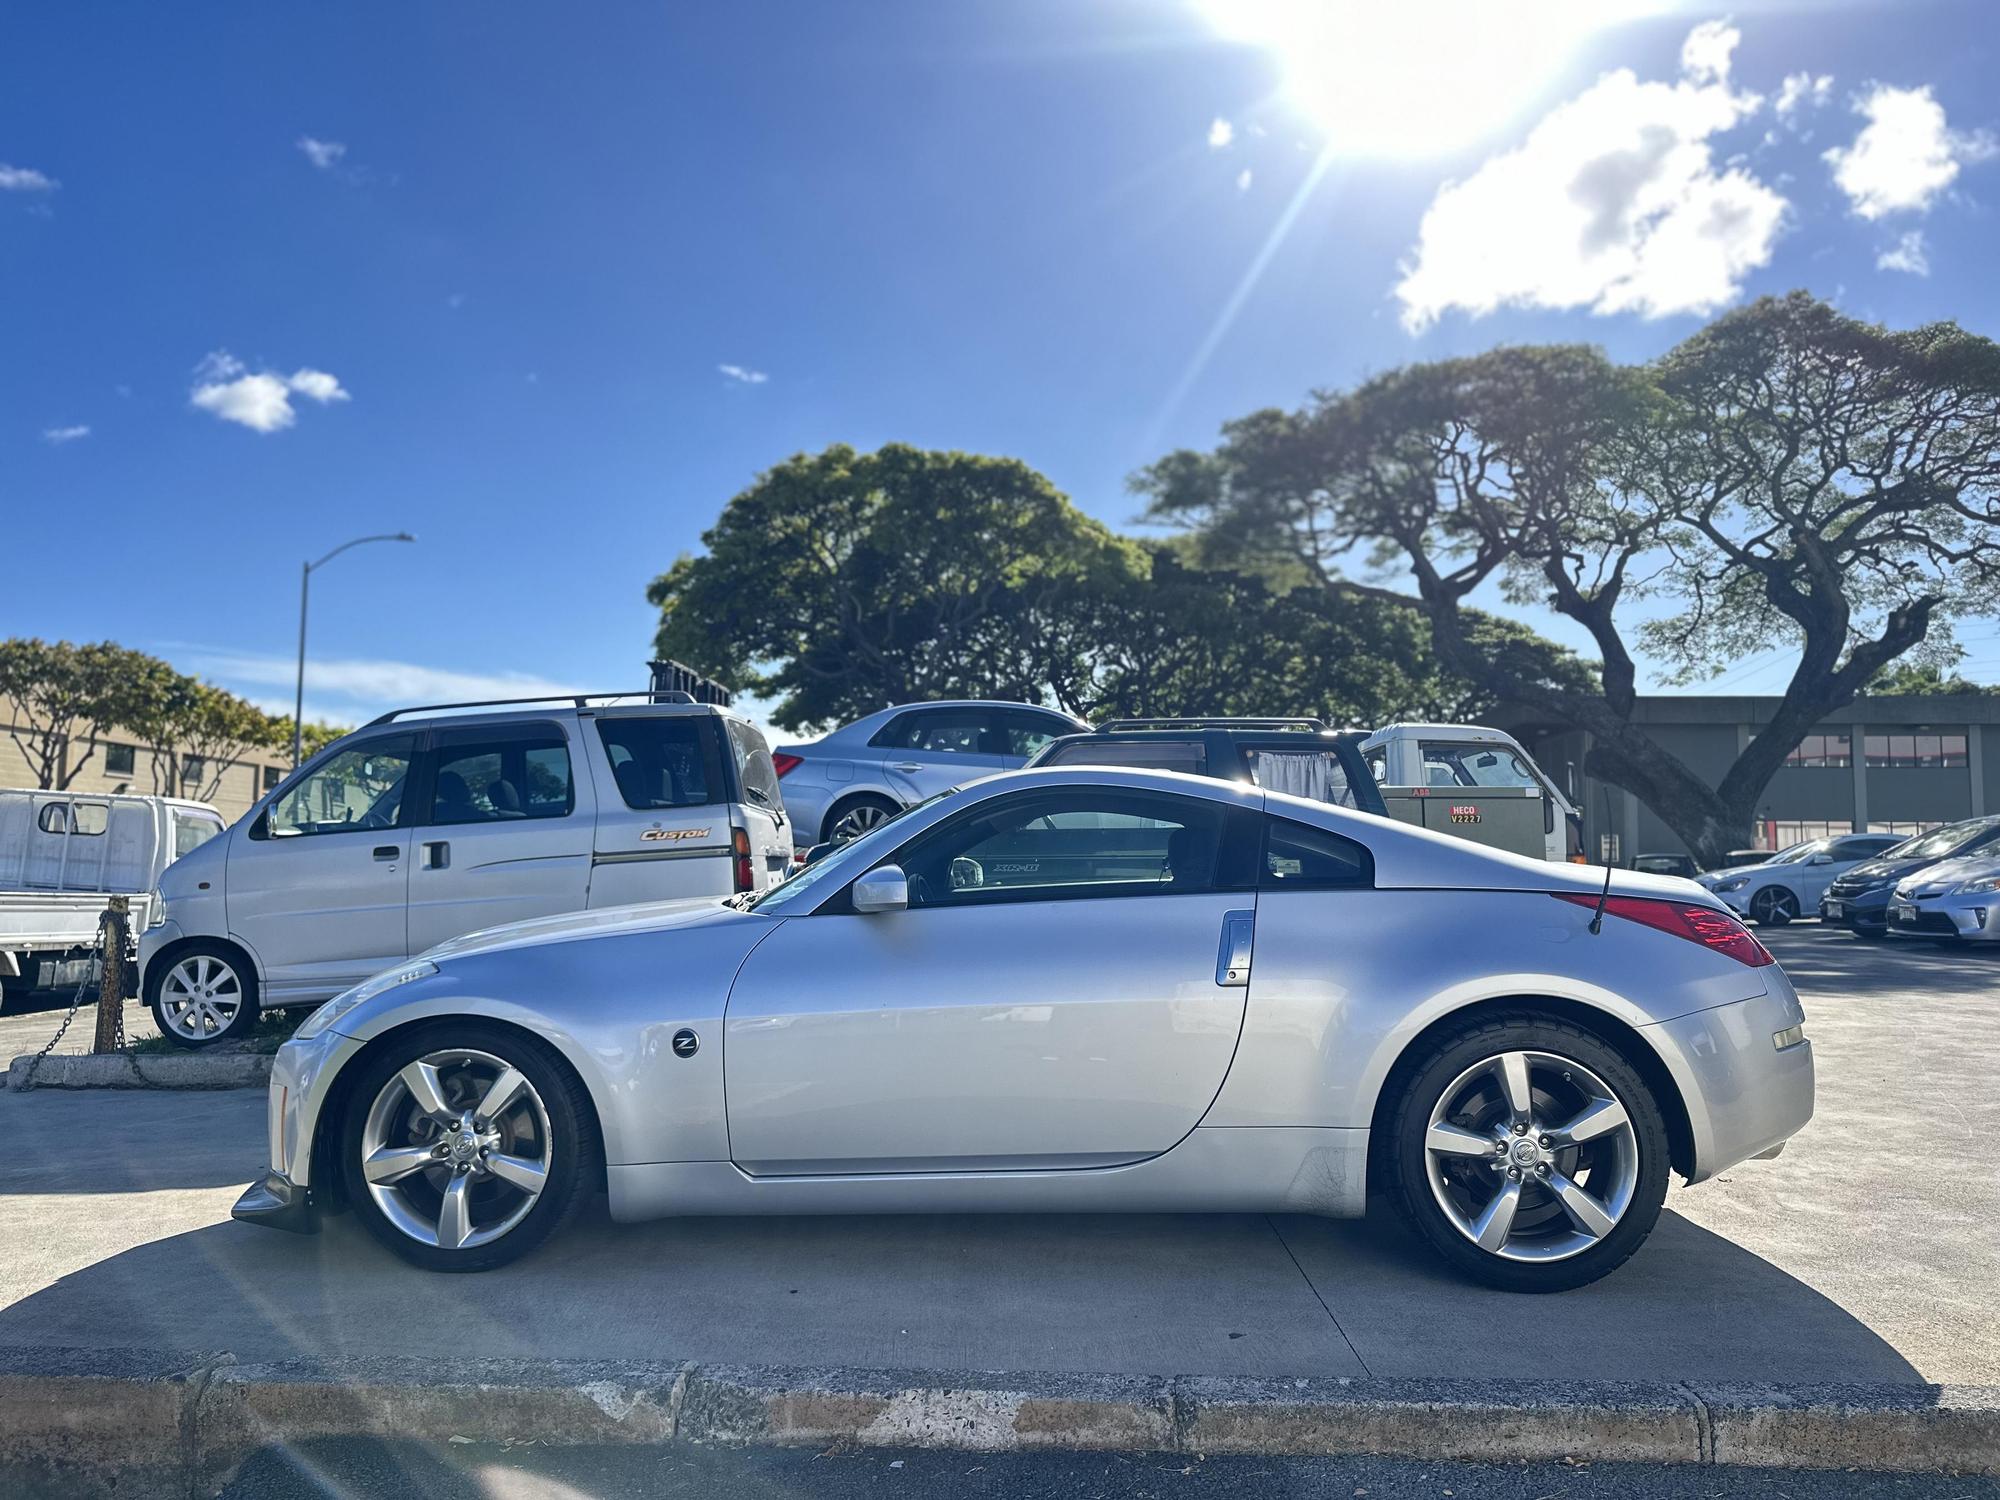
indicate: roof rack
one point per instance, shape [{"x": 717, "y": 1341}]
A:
[
  {"x": 1202, "y": 721},
  {"x": 579, "y": 700}
]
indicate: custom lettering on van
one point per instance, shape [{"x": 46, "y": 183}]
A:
[{"x": 668, "y": 835}]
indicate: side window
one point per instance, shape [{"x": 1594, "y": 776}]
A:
[
  {"x": 1075, "y": 843},
  {"x": 501, "y": 776},
  {"x": 84, "y": 819},
  {"x": 936, "y": 731},
  {"x": 1020, "y": 732},
  {"x": 1190, "y": 756},
  {"x": 358, "y": 787},
  {"x": 1317, "y": 775},
  {"x": 663, "y": 762},
  {"x": 753, "y": 764},
  {"x": 1300, "y": 857},
  {"x": 190, "y": 833},
  {"x": 1378, "y": 764}
]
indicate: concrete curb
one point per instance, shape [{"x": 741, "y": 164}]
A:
[
  {"x": 157, "y": 1070},
  {"x": 154, "y": 1422}
]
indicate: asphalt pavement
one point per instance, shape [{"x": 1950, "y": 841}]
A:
[{"x": 1868, "y": 1252}]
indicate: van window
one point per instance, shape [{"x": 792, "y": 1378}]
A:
[
  {"x": 664, "y": 761},
  {"x": 190, "y": 833},
  {"x": 753, "y": 764},
  {"x": 502, "y": 776},
  {"x": 1317, "y": 775},
  {"x": 358, "y": 787},
  {"x": 1474, "y": 764}
]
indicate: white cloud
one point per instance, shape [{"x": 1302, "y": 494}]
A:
[
  {"x": 1614, "y": 203},
  {"x": 1243, "y": 180},
  {"x": 325, "y": 155},
  {"x": 1909, "y": 253},
  {"x": 743, "y": 375},
  {"x": 25, "y": 180},
  {"x": 60, "y": 435},
  {"x": 1220, "y": 134},
  {"x": 261, "y": 399},
  {"x": 365, "y": 683},
  {"x": 1801, "y": 89},
  {"x": 1905, "y": 155}
]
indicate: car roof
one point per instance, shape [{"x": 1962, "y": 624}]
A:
[{"x": 883, "y": 715}]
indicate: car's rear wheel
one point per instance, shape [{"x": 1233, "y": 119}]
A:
[
  {"x": 466, "y": 1145},
  {"x": 1529, "y": 1153},
  {"x": 207, "y": 994},
  {"x": 856, "y": 816},
  {"x": 1774, "y": 906}
]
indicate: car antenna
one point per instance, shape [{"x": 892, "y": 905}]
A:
[{"x": 1597, "y": 917}]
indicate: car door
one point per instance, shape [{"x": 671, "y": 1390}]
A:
[
  {"x": 930, "y": 750},
  {"x": 501, "y": 834},
  {"x": 1065, "y": 989},
  {"x": 762, "y": 809},
  {"x": 318, "y": 884},
  {"x": 663, "y": 817}
]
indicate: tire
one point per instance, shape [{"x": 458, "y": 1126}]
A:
[
  {"x": 547, "y": 1123},
  {"x": 205, "y": 993},
  {"x": 858, "y": 814},
  {"x": 1631, "y": 1160},
  {"x": 1773, "y": 906},
  {"x": 13, "y": 990}
]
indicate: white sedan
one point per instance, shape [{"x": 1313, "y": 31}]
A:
[
  {"x": 1791, "y": 882},
  {"x": 1074, "y": 989}
]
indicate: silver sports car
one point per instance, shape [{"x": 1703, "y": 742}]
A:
[{"x": 1073, "y": 990}]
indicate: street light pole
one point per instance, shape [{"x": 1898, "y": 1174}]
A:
[{"x": 305, "y": 585}]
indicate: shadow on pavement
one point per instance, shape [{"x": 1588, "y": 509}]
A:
[{"x": 1831, "y": 966}]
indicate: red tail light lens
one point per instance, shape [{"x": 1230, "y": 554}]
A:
[
  {"x": 786, "y": 764},
  {"x": 1698, "y": 924},
  {"x": 746, "y": 878}
]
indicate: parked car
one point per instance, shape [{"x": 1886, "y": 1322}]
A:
[
  {"x": 1955, "y": 901},
  {"x": 1069, "y": 990},
  {"x": 1475, "y": 782},
  {"x": 1682, "y": 865},
  {"x": 846, "y": 782},
  {"x": 1792, "y": 881},
  {"x": 63, "y": 855},
  {"x": 1300, "y": 756},
  {"x": 1859, "y": 899},
  {"x": 434, "y": 822}
]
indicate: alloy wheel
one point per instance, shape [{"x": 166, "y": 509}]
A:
[
  {"x": 858, "y": 820},
  {"x": 200, "y": 998},
  {"x": 1773, "y": 906},
  {"x": 1531, "y": 1156},
  {"x": 456, "y": 1149}
]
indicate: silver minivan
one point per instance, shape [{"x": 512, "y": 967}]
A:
[{"x": 431, "y": 823}]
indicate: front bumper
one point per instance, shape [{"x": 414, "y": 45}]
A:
[
  {"x": 1869, "y": 909},
  {"x": 277, "y": 1203},
  {"x": 1959, "y": 918}
]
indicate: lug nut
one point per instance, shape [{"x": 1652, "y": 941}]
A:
[
  {"x": 1543, "y": 1169},
  {"x": 1548, "y": 1141},
  {"x": 1520, "y": 1127},
  {"x": 1513, "y": 1174}
]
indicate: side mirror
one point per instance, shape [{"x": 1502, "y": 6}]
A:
[
  {"x": 884, "y": 888},
  {"x": 1821, "y": 859}
]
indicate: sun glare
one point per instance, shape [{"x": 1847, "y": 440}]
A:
[{"x": 1416, "y": 77}]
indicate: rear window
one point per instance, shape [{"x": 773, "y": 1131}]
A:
[
  {"x": 663, "y": 762},
  {"x": 753, "y": 764},
  {"x": 85, "y": 818}
]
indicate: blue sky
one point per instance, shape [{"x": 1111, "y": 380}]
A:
[{"x": 547, "y": 285}]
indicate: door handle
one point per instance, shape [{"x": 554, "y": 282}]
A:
[
  {"x": 1232, "y": 959},
  {"x": 907, "y": 767},
  {"x": 437, "y": 855},
  {"x": 388, "y": 851}
]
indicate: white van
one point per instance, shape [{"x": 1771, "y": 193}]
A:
[
  {"x": 431, "y": 823},
  {"x": 1452, "y": 777}
]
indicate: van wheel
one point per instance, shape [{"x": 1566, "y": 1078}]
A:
[
  {"x": 208, "y": 994},
  {"x": 1528, "y": 1153},
  {"x": 856, "y": 816}
]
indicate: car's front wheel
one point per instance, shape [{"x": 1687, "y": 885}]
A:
[
  {"x": 207, "y": 994},
  {"x": 1529, "y": 1153},
  {"x": 466, "y": 1145}
]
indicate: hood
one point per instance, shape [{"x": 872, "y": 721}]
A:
[
  {"x": 1941, "y": 875},
  {"x": 1713, "y": 878},
  {"x": 1886, "y": 869},
  {"x": 650, "y": 916}
]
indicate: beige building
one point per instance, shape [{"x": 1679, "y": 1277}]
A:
[{"x": 122, "y": 764}]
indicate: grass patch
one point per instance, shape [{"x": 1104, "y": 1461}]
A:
[{"x": 270, "y": 1033}]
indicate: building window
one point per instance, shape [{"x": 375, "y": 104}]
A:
[
  {"x": 1781, "y": 833},
  {"x": 272, "y": 776},
  {"x": 1916, "y": 747},
  {"x": 1898, "y": 825},
  {"x": 1823, "y": 750},
  {"x": 118, "y": 760},
  {"x": 192, "y": 770}
]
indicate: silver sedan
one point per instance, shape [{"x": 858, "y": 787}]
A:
[{"x": 1076, "y": 990}]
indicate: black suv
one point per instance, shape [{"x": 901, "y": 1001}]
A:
[
  {"x": 1858, "y": 899},
  {"x": 1300, "y": 756}
]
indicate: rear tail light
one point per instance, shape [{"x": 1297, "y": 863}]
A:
[
  {"x": 746, "y": 878},
  {"x": 786, "y": 764},
  {"x": 1698, "y": 924}
]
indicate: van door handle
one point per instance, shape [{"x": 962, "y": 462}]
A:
[
  {"x": 1232, "y": 959},
  {"x": 437, "y": 855},
  {"x": 388, "y": 851}
]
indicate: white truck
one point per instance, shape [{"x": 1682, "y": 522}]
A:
[
  {"x": 1475, "y": 782},
  {"x": 63, "y": 855}
]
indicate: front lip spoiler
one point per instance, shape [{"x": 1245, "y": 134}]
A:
[{"x": 276, "y": 1203}]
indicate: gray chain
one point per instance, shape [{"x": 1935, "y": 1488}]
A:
[{"x": 75, "y": 1002}]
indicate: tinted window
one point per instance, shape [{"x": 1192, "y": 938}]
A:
[
  {"x": 1189, "y": 756},
  {"x": 1021, "y": 732},
  {"x": 508, "y": 776},
  {"x": 1300, "y": 857},
  {"x": 118, "y": 760},
  {"x": 1315, "y": 774},
  {"x": 936, "y": 731},
  {"x": 753, "y": 764},
  {"x": 358, "y": 787},
  {"x": 663, "y": 762},
  {"x": 1078, "y": 842}
]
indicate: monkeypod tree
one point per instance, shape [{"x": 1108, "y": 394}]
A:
[{"x": 1787, "y": 479}]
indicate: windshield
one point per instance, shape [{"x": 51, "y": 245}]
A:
[
  {"x": 1798, "y": 852},
  {"x": 1941, "y": 841},
  {"x": 843, "y": 864}
]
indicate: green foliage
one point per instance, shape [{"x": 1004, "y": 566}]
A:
[{"x": 1925, "y": 679}]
